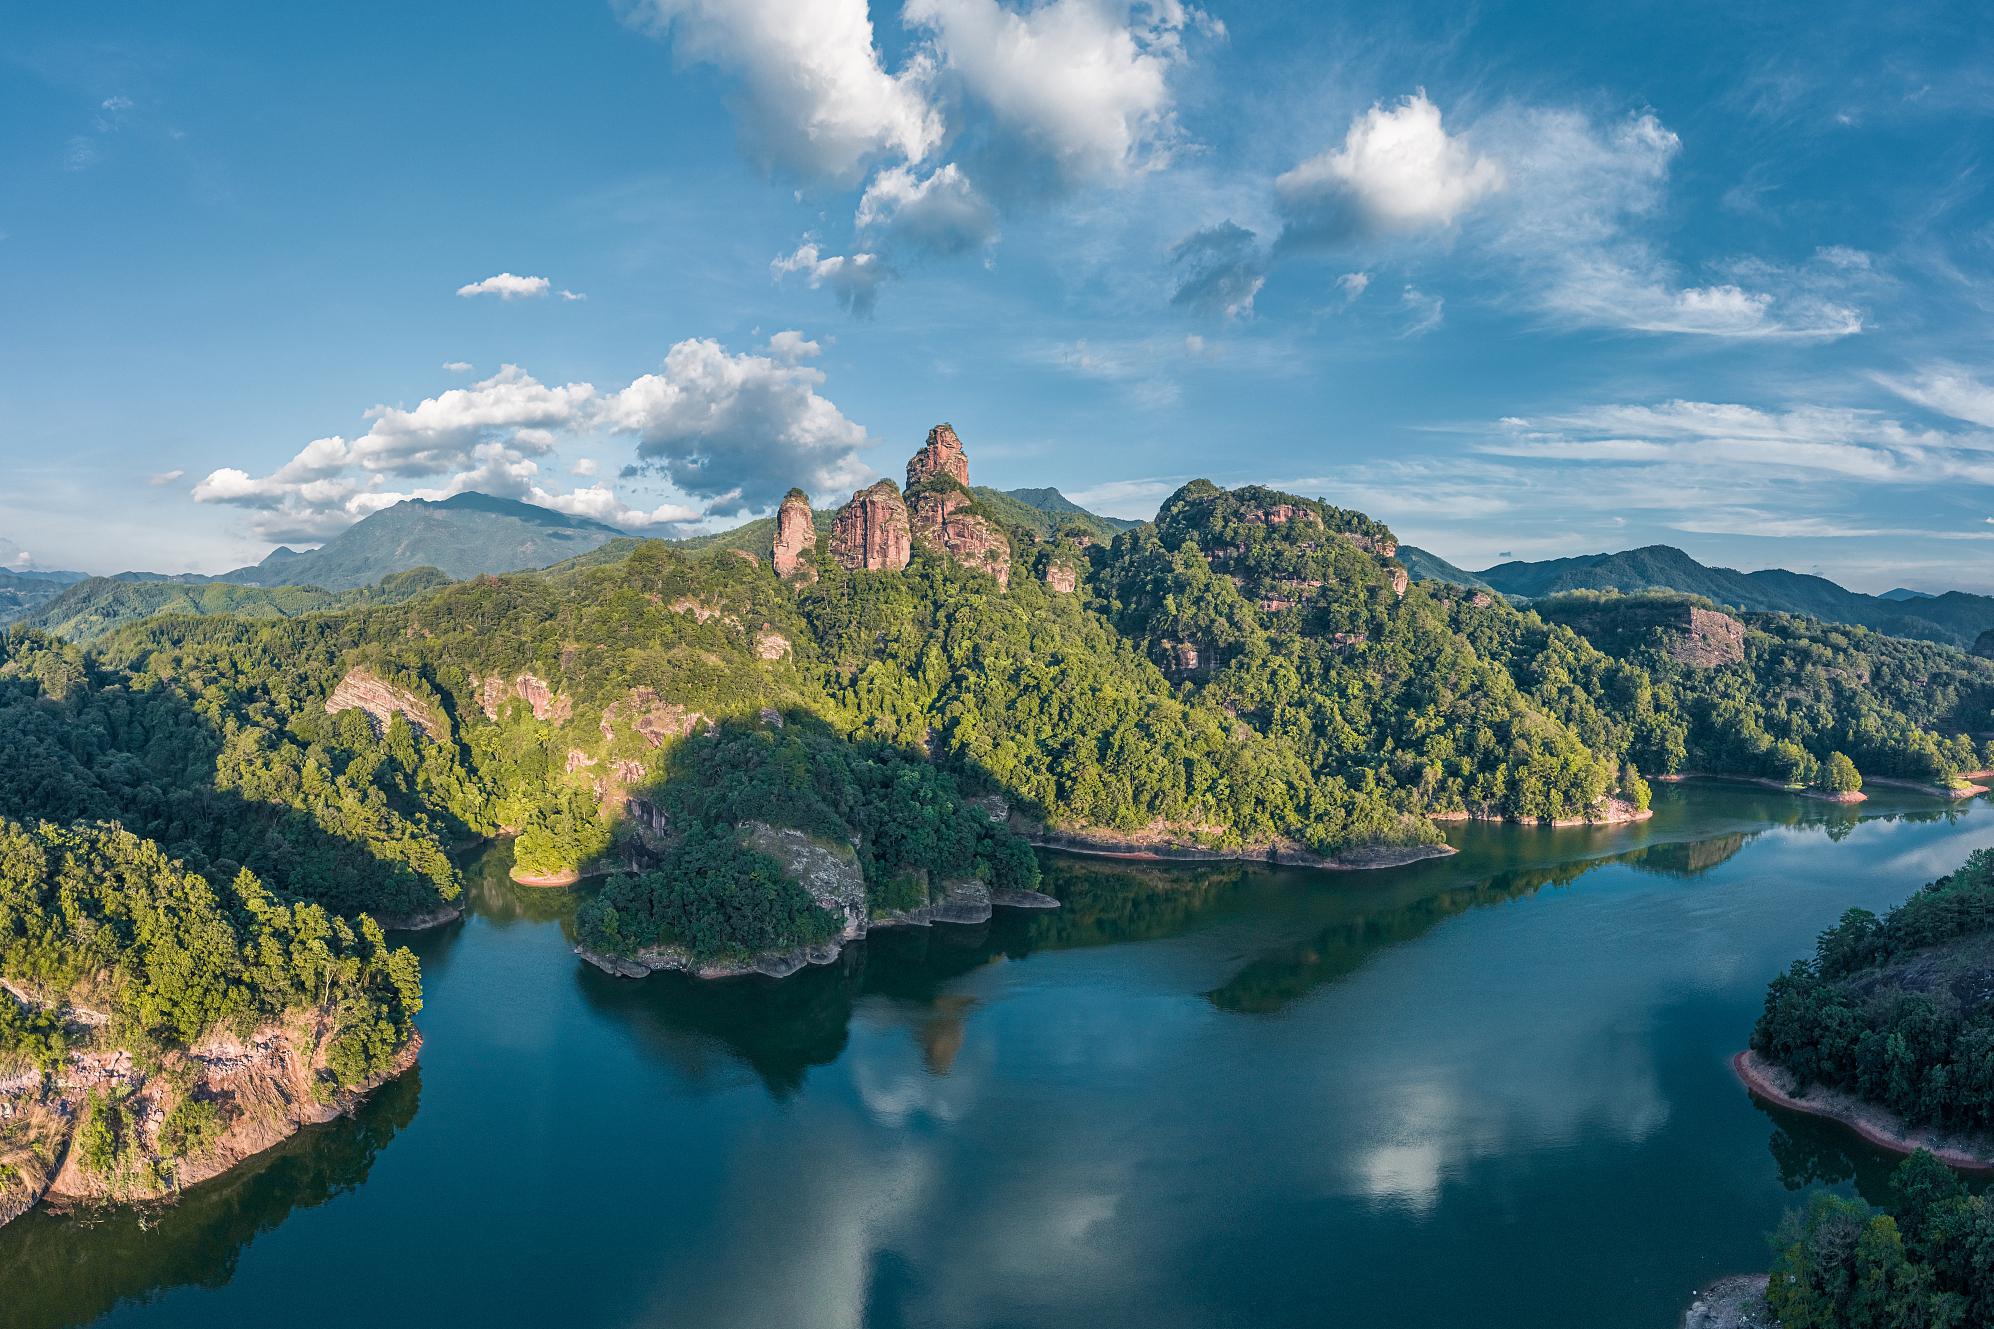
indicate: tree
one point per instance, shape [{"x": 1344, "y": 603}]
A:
[{"x": 1839, "y": 774}]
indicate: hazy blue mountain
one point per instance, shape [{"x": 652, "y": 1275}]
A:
[
  {"x": 1424, "y": 565},
  {"x": 1056, "y": 509},
  {"x": 1905, "y": 593},
  {"x": 91, "y": 608},
  {"x": 1956, "y": 618},
  {"x": 461, "y": 536}
]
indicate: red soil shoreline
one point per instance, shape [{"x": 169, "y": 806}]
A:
[{"x": 1874, "y": 1124}]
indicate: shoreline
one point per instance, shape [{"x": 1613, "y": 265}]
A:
[
  {"x": 1877, "y": 1125},
  {"x": 1361, "y": 858},
  {"x": 1925, "y": 787},
  {"x": 1798, "y": 791},
  {"x": 967, "y": 912}
]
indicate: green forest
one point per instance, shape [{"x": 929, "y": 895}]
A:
[{"x": 1878, "y": 1010}]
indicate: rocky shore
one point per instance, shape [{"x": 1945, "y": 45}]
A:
[
  {"x": 265, "y": 1089},
  {"x": 1886, "y": 1130},
  {"x": 1738, "y": 1302},
  {"x": 1161, "y": 847},
  {"x": 1798, "y": 791}
]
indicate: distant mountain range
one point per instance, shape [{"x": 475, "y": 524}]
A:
[
  {"x": 1956, "y": 618},
  {"x": 464, "y": 536}
]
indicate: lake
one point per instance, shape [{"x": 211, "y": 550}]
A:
[{"x": 1490, "y": 1090}]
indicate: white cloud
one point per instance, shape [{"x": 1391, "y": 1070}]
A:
[
  {"x": 942, "y": 214},
  {"x": 854, "y": 278},
  {"x": 584, "y": 466},
  {"x": 1085, "y": 83},
  {"x": 599, "y": 503},
  {"x": 506, "y": 286},
  {"x": 1948, "y": 389},
  {"x": 792, "y": 346},
  {"x": 1397, "y": 170},
  {"x": 1136, "y": 499},
  {"x": 458, "y": 366},
  {"x": 164, "y": 478},
  {"x": 738, "y": 430},
  {"x": 1353, "y": 284},
  {"x": 817, "y": 98},
  {"x": 510, "y": 406},
  {"x": 13, "y": 557},
  {"x": 1579, "y": 194}
]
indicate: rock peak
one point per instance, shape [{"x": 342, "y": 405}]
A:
[
  {"x": 872, "y": 530},
  {"x": 795, "y": 534},
  {"x": 941, "y": 455}
]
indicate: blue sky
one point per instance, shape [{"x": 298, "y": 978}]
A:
[{"x": 1519, "y": 279}]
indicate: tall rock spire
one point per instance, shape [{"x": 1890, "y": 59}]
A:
[
  {"x": 941, "y": 455},
  {"x": 795, "y": 535}
]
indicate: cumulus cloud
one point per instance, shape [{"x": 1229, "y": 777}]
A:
[
  {"x": 511, "y": 407},
  {"x": 792, "y": 346},
  {"x": 1219, "y": 270},
  {"x": 816, "y": 97},
  {"x": 599, "y": 503},
  {"x": 508, "y": 286},
  {"x": 738, "y": 430},
  {"x": 1398, "y": 170},
  {"x": 941, "y": 214},
  {"x": 457, "y": 366},
  {"x": 13, "y": 558},
  {"x": 854, "y": 279},
  {"x": 1085, "y": 83}
]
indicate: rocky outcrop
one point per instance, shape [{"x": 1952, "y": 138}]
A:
[
  {"x": 830, "y": 872},
  {"x": 771, "y": 645},
  {"x": 1384, "y": 546},
  {"x": 871, "y": 532},
  {"x": 940, "y": 516},
  {"x": 1706, "y": 639},
  {"x": 941, "y": 455},
  {"x": 542, "y": 700},
  {"x": 1061, "y": 578},
  {"x": 1280, "y": 514},
  {"x": 795, "y": 537},
  {"x": 1401, "y": 579},
  {"x": 363, "y": 690},
  {"x": 652, "y": 717},
  {"x": 265, "y": 1088}
]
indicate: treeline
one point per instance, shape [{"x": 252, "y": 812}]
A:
[
  {"x": 1841, "y": 1265},
  {"x": 1925, "y": 1050}
]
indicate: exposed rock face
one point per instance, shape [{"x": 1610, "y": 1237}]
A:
[
  {"x": 941, "y": 455},
  {"x": 494, "y": 692},
  {"x": 1280, "y": 514},
  {"x": 362, "y": 690},
  {"x": 267, "y": 1087},
  {"x": 1062, "y": 578},
  {"x": 938, "y": 517},
  {"x": 1384, "y": 546},
  {"x": 828, "y": 870},
  {"x": 1400, "y": 580},
  {"x": 1183, "y": 659},
  {"x": 795, "y": 536},
  {"x": 770, "y": 645},
  {"x": 1707, "y": 639},
  {"x": 654, "y": 718},
  {"x": 872, "y": 531}
]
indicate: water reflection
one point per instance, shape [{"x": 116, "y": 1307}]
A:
[{"x": 70, "y": 1269}]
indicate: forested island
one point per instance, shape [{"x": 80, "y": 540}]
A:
[
  {"x": 1888, "y": 1029},
  {"x": 760, "y": 751}
]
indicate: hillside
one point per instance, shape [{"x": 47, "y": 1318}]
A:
[
  {"x": 21, "y": 593},
  {"x": 90, "y": 609},
  {"x": 1427, "y": 566},
  {"x": 462, "y": 536},
  {"x": 1955, "y": 618}
]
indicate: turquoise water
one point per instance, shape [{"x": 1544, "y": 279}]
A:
[{"x": 1490, "y": 1090}]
